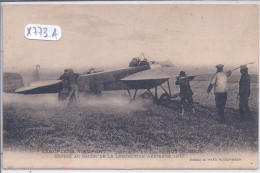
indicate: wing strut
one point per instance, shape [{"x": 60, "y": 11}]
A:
[
  {"x": 169, "y": 88},
  {"x": 129, "y": 93},
  {"x": 135, "y": 93},
  {"x": 156, "y": 94},
  {"x": 165, "y": 97},
  {"x": 170, "y": 93}
]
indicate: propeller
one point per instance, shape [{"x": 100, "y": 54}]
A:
[{"x": 243, "y": 64}]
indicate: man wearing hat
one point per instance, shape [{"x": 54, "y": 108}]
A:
[
  {"x": 185, "y": 90},
  {"x": 244, "y": 92},
  {"x": 219, "y": 82}
]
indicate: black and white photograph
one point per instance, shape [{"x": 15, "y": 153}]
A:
[{"x": 130, "y": 85}]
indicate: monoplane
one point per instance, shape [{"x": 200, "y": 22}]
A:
[{"x": 140, "y": 77}]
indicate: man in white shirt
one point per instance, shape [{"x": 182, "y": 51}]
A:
[{"x": 219, "y": 82}]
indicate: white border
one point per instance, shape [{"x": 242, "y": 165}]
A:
[
  {"x": 1, "y": 82},
  {"x": 122, "y": 2},
  {"x": 138, "y": 2}
]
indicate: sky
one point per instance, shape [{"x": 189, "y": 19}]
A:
[{"x": 111, "y": 35}]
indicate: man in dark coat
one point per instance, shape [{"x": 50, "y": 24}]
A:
[
  {"x": 36, "y": 73},
  {"x": 185, "y": 90},
  {"x": 244, "y": 93},
  {"x": 63, "y": 95},
  {"x": 135, "y": 62},
  {"x": 71, "y": 78}
]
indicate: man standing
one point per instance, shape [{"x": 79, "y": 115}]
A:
[
  {"x": 91, "y": 71},
  {"x": 185, "y": 90},
  {"x": 36, "y": 73},
  {"x": 71, "y": 77},
  {"x": 219, "y": 82},
  {"x": 244, "y": 93},
  {"x": 65, "y": 86},
  {"x": 135, "y": 62}
]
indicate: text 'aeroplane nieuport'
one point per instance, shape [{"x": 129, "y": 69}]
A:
[{"x": 144, "y": 75}]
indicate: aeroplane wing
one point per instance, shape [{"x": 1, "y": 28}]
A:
[
  {"x": 102, "y": 81},
  {"x": 148, "y": 79},
  {"x": 151, "y": 74},
  {"x": 41, "y": 87}
]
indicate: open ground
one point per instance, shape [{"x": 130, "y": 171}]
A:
[{"x": 110, "y": 123}]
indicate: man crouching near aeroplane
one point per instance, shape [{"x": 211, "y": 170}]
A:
[
  {"x": 71, "y": 78},
  {"x": 185, "y": 90}
]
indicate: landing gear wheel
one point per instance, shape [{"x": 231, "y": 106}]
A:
[{"x": 165, "y": 98}]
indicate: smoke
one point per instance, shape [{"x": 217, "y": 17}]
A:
[
  {"x": 37, "y": 99},
  {"x": 115, "y": 102},
  {"x": 107, "y": 101}
]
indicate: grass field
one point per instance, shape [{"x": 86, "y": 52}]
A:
[{"x": 110, "y": 123}]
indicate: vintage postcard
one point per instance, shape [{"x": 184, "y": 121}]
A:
[{"x": 130, "y": 86}]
